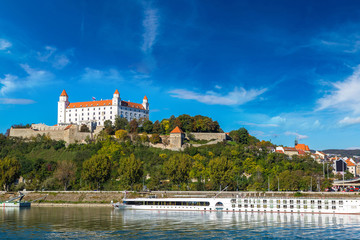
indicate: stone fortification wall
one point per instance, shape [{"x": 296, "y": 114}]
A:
[
  {"x": 69, "y": 134},
  {"x": 209, "y": 136},
  {"x": 29, "y": 133}
]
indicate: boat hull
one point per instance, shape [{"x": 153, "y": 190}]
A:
[
  {"x": 265, "y": 205},
  {"x": 15, "y": 204}
]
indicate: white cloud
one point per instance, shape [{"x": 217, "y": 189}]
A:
[
  {"x": 151, "y": 25},
  {"x": 102, "y": 75},
  {"x": 34, "y": 78},
  {"x": 218, "y": 87},
  {"x": 5, "y": 44},
  {"x": 298, "y": 136},
  {"x": 349, "y": 121},
  {"x": 51, "y": 55},
  {"x": 19, "y": 101},
  {"x": 345, "y": 96},
  {"x": 278, "y": 119},
  {"x": 259, "y": 124},
  {"x": 238, "y": 96}
]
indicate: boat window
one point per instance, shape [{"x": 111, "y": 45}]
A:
[{"x": 219, "y": 204}]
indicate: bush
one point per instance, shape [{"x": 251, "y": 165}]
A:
[{"x": 155, "y": 138}]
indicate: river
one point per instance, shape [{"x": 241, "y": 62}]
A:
[{"x": 108, "y": 223}]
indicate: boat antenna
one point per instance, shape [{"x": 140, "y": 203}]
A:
[{"x": 221, "y": 191}]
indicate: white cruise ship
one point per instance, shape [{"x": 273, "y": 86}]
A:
[{"x": 246, "y": 204}]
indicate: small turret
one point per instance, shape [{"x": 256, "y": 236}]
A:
[
  {"x": 62, "y": 105},
  {"x": 116, "y": 98},
  {"x": 145, "y": 103}
]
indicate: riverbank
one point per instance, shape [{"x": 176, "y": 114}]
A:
[{"x": 103, "y": 198}]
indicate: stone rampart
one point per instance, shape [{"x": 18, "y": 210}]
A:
[
  {"x": 69, "y": 134},
  {"x": 209, "y": 136}
]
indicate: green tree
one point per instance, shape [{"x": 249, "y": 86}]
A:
[
  {"x": 133, "y": 126},
  {"x": 240, "y": 136},
  {"x": 222, "y": 172},
  {"x": 65, "y": 173},
  {"x": 120, "y": 123},
  {"x": 156, "y": 127},
  {"x": 9, "y": 171},
  {"x": 155, "y": 138},
  {"x": 177, "y": 168},
  {"x": 97, "y": 170},
  {"x": 122, "y": 135},
  {"x": 147, "y": 126},
  {"x": 108, "y": 127},
  {"x": 130, "y": 170}
]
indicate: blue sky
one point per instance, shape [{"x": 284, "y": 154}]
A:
[{"x": 281, "y": 69}]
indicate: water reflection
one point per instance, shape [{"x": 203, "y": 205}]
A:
[{"x": 100, "y": 223}]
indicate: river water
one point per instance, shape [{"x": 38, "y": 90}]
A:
[{"x": 108, "y": 223}]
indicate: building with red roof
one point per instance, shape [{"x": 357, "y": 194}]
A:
[{"x": 97, "y": 112}]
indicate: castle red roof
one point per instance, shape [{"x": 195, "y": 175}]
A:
[
  {"x": 104, "y": 103},
  {"x": 145, "y": 98},
  {"x": 177, "y": 130},
  {"x": 116, "y": 92},
  {"x": 64, "y": 93}
]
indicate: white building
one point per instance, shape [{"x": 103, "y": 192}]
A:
[{"x": 97, "y": 112}]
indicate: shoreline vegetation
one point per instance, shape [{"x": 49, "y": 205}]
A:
[{"x": 126, "y": 161}]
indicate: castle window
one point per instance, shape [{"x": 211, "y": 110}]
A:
[
  {"x": 110, "y": 117},
  {"x": 110, "y": 112}
]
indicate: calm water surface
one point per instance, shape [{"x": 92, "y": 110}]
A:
[{"x": 107, "y": 223}]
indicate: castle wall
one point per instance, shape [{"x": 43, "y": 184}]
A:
[
  {"x": 28, "y": 133},
  {"x": 70, "y": 135},
  {"x": 209, "y": 136}
]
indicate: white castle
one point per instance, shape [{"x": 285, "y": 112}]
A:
[{"x": 97, "y": 112}]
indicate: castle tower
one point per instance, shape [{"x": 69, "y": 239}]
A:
[
  {"x": 62, "y": 105},
  {"x": 116, "y": 101},
  {"x": 145, "y": 103},
  {"x": 176, "y": 138}
]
